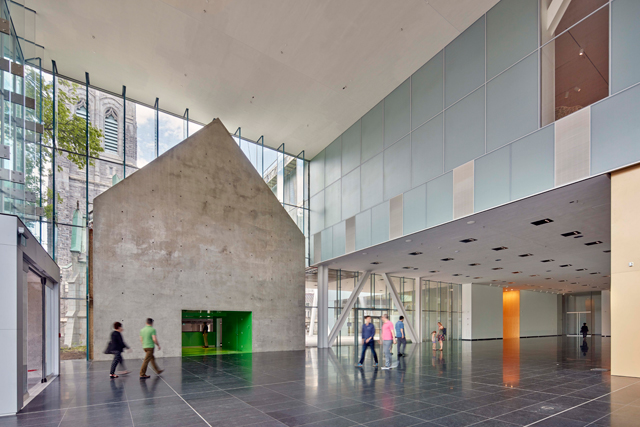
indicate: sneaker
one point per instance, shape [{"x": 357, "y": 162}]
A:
[
  {"x": 144, "y": 377},
  {"x": 359, "y": 365},
  {"x": 386, "y": 367},
  {"x": 375, "y": 365}
]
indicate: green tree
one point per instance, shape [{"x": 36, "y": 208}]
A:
[{"x": 70, "y": 130}]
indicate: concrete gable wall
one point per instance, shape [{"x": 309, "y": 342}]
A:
[{"x": 197, "y": 229}]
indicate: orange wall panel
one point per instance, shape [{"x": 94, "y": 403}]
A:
[{"x": 510, "y": 314}]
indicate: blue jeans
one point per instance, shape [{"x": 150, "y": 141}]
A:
[
  {"x": 386, "y": 349},
  {"x": 372, "y": 345}
]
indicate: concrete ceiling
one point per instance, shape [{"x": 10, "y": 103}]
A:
[
  {"x": 584, "y": 207},
  {"x": 299, "y": 72}
]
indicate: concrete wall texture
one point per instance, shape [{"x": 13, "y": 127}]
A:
[{"x": 196, "y": 229}]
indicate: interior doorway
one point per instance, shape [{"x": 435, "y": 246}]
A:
[
  {"x": 575, "y": 320},
  {"x": 208, "y": 332}
]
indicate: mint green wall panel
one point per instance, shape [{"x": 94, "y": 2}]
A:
[
  {"x": 339, "y": 239},
  {"x": 351, "y": 148},
  {"x": 440, "y": 200},
  {"x": 397, "y": 114},
  {"x": 512, "y": 34},
  {"x": 625, "y": 49},
  {"x": 427, "y": 94},
  {"x": 363, "y": 230},
  {"x": 332, "y": 204},
  {"x": 380, "y": 223},
  {"x": 316, "y": 206},
  {"x": 371, "y": 182},
  {"x": 316, "y": 172},
  {"x": 512, "y": 103},
  {"x": 427, "y": 146},
  {"x": 414, "y": 210},
  {"x": 351, "y": 194},
  {"x": 464, "y": 63},
  {"x": 326, "y": 240},
  {"x": 532, "y": 163},
  {"x": 464, "y": 131},
  {"x": 372, "y": 136},
  {"x": 491, "y": 180},
  {"x": 615, "y": 131},
  {"x": 397, "y": 168},
  {"x": 333, "y": 162}
]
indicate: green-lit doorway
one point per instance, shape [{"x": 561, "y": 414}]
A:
[{"x": 227, "y": 332}]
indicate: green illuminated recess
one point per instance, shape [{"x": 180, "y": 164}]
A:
[{"x": 236, "y": 332}]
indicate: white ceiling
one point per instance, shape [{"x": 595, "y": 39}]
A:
[
  {"x": 584, "y": 206},
  {"x": 299, "y": 72}
]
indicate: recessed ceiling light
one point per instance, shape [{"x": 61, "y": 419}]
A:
[
  {"x": 416, "y": 268},
  {"x": 469, "y": 240},
  {"x": 516, "y": 272},
  {"x": 561, "y": 281},
  {"x": 499, "y": 259},
  {"x": 607, "y": 251},
  {"x": 585, "y": 285},
  {"x": 578, "y": 237},
  {"x": 364, "y": 253},
  {"x": 542, "y": 222},
  {"x": 580, "y": 269},
  {"x": 525, "y": 255},
  {"x": 477, "y": 277},
  {"x": 471, "y": 222},
  {"x": 457, "y": 274},
  {"x": 497, "y": 268},
  {"x": 512, "y": 283},
  {"x": 565, "y": 265},
  {"x": 547, "y": 278},
  {"x": 415, "y": 253},
  {"x": 574, "y": 283},
  {"x": 407, "y": 268},
  {"x": 595, "y": 272},
  {"x": 500, "y": 248},
  {"x": 534, "y": 275},
  {"x": 547, "y": 260},
  {"x": 474, "y": 264},
  {"x": 446, "y": 259},
  {"x": 597, "y": 242},
  {"x": 434, "y": 271},
  {"x": 376, "y": 262},
  {"x": 408, "y": 240},
  {"x": 571, "y": 233}
]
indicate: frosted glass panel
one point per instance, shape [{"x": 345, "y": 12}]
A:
[
  {"x": 491, "y": 181},
  {"x": 397, "y": 168},
  {"x": 625, "y": 49},
  {"x": 464, "y": 131},
  {"x": 512, "y": 33},
  {"x": 332, "y": 202},
  {"x": 351, "y": 194},
  {"x": 351, "y": 148},
  {"x": 427, "y": 91},
  {"x": 532, "y": 165},
  {"x": 333, "y": 161},
  {"x": 414, "y": 210},
  {"x": 427, "y": 145},
  {"x": 464, "y": 63},
  {"x": 317, "y": 212},
  {"x": 372, "y": 137},
  {"x": 615, "y": 131},
  {"x": 397, "y": 116},
  {"x": 339, "y": 239},
  {"x": 363, "y": 230},
  {"x": 316, "y": 172},
  {"x": 326, "y": 240},
  {"x": 440, "y": 200},
  {"x": 380, "y": 223},
  {"x": 512, "y": 103},
  {"x": 371, "y": 182}
]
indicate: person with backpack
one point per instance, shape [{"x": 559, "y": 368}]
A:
[{"x": 116, "y": 347}]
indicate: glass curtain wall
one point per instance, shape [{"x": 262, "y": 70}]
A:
[{"x": 441, "y": 302}]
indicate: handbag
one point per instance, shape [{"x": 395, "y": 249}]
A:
[{"x": 108, "y": 349}]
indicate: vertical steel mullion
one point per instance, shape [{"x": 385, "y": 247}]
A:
[
  {"x": 40, "y": 148},
  {"x": 86, "y": 206},
  {"x": 157, "y": 127},
  {"x": 187, "y": 114},
  {"x": 124, "y": 132},
  {"x": 54, "y": 70}
]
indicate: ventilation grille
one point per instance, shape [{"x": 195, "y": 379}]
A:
[
  {"x": 573, "y": 145},
  {"x": 463, "y": 190}
]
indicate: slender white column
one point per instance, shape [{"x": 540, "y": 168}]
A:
[{"x": 323, "y": 306}]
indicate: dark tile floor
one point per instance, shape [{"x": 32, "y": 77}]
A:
[{"x": 535, "y": 381}]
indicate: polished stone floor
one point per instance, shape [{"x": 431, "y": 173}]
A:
[{"x": 535, "y": 381}]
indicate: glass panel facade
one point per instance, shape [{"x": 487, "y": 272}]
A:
[{"x": 441, "y": 302}]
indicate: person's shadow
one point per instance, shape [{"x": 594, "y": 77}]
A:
[
  {"x": 149, "y": 391},
  {"x": 584, "y": 347}
]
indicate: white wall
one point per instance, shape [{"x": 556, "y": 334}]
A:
[
  {"x": 486, "y": 310},
  {"x": 466, "y": 311},
  {"x": 538, "y": 314}
]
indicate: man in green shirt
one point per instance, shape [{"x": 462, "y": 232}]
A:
[{"x": 149, "y": 340}]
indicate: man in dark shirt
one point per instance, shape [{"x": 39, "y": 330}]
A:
[
  {"x": 368, "y": 332},
  {"x": 584, "y": 330}
]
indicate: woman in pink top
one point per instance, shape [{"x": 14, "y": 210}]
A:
[{"x": 387, "y": 340}]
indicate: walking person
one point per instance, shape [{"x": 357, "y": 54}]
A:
[
  {"x": 434, "y": 340},
  {"x": 442, "y": 334},
  {"x": 205, "y": 332},
  {"x": 116, "y": 347},
  {"x": 149, "y": 339},
  {"x": 400, "y": 337},
  {"x": 368, "y": 334},
  {"x": 388, "y": 340},
  {"x": 584, "y": 330}
]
